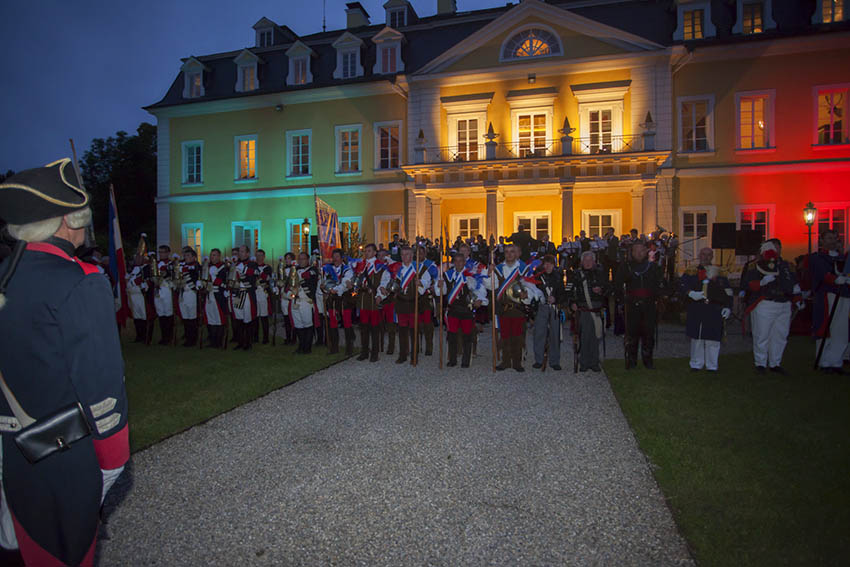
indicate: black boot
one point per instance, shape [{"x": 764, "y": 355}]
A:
[
  {"x": 237, "y": 334},
  {"x": 516, "y": 353},
  {"x": 467, "y": 350},
  {"x": 428, "y": 331},
  {"x": 506, "y": 355},
  {"x": 308, "y": 339},
  {"x": 391, "y": 327},
  {"x": 264, "y": 322},
  {"x": 375, "y": 331},
  {"x": 403, "y": 344},
  {"x": 452, "y": 340},
  {"x": 166, "y": 327},
  {"x": 191, "y": 332},
  {"x": 320, "y": 331},
  {"x": 333, "y": 340},
  {"x": 349, "y": 341},
  {"x": 140, "y": 330},
  {"x": 365, "y": 333},
  {"x": 631, "y": 348}
]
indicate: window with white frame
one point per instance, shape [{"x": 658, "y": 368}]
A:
[
  {"x": 831, "y": 11},
  {"x": 598, "y": 221},
  {"x": 535, "y": 223},
  {"x": 832, "y": 107},
  {"x": 348, "y": 61},
  {"x": 600, "y": 117},
  {"x": 246, "y": 233},
  {"x": 387, "y": 145},
  {"x": 757, "y": 219},
  {"x": 755, "y": 120},
  {"x": 265, "y": 38},
  {"x": 385, "y": 227},
  {"x": 468, "y": 134},
  {"x": 248, "y": 74},
  {"x": 193, "y": 236},
  {"x": 531, "y": 133},
  {"x": 349, "y": 64},
  {"x": 695, "y": 223},
  {"x": 833, "y": 217},
  {"x": 348, "y": 149},
  {"x": 397, "y": 17},
  {"x": 350, "y": 232},
  {"x": 247, "y": 79},
  {"x": 535, "y": 41},
  {"x": 298, "y": 146},
  {"x": 195, "y": 84},
  {"x": 696, "y": 128},
  {"x": 388, "y": 52},
  {"x": 299, "y": 71},
  {"x": 388, "y": 59},
  {"x": 245, "y": 148},
  {"x": 692, "y": 24},
  {"x": 299, "y": 241},
  {"x": 193, "y": 78},
  {"x": 753, "y": 16},
  {"x": 193, "y": 162},
  {"x": 467, "y": 226}
]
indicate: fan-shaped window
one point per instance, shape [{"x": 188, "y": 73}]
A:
[{"x": 534, "y": 42}]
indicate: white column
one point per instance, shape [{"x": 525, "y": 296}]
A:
[
  {"x": 491, "y": 219},
  {"x": 420, "y": 215},
  {"x": 637, "y": 209},
  {"x": 436, "y": 215},
  {"x": 500, "y": 215},
  {"x": 650, "y": 205},
  {"x": 567, "y": 228}
]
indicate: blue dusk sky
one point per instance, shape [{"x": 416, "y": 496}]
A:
[{"x": 83, "y": 69}]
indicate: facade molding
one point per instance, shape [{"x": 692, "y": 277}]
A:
[{"x": 306, "y": 191}]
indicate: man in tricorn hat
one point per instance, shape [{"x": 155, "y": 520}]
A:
[{"x": 61, "y": 358}]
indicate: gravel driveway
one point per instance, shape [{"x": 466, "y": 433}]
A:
[{"x": 383, "y": 464}]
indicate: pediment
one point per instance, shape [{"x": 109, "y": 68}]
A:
[
  {"x": 347, "y": 39},
  {"x": 387, "y": 34},
  {"x": 246, "y": 57},
  {"x": 193, "y": 64},
  {"x": 299, "y": 49}
]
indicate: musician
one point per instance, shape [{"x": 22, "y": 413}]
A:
[
  {"x": 638, "y": 284},
  {"x": 406, "y": 288},
  {"x": 769, "y": 287},
  {"x": 547, "y": 323},
  {"x": 706, "y": 292},
  {"x": 189, "y": 297},
  {"x": 370, "y": 276},
  {"x": 387, "y": 306},
  {"x": 265, "y": 275},
  {"x": 302, "y": 301},
  {"x": 464, "y": 292},
  {"x": 513, "y": 294},
  {"x": 215, "y": 305},
  {"x": 426, "y": 299},
  {"x": 138, "y": 286},
  {"x": 163, "y": 297},
  {"x": 338, "y": 302},
  {"x": 830, "y": 284},
  {"x": 243, "y": 298},
  {"x": 590, "y": 290},
  {"x": 289, "y": 330}
]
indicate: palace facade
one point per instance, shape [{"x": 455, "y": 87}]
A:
[{"x": 558, "y": 116}]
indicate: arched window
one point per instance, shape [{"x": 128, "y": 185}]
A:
[{"x": 533, "y": 42}]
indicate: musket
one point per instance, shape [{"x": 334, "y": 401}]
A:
[
  {"x": 415, "y": 284},
  {"x": 275, "y": 304},
  {"x": 440, "y": 304},
  {"x": 829, "y": 321},
  {"x": 576, "y": 339},
  {"x": 202, "y": 301},
  {"x": 493, "y": 306}
]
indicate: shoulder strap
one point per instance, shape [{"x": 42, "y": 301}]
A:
[{"x": 23, "y": 418}]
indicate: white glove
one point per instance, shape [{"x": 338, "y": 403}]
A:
[
  {"x": 725, "y": 312},
  {"x": 801, "y": 305},
  {"x": 696, "y": 295},
  {"x": 841, "y": 280},
  {"x": 144, "y": 287},
  {"x": 767, "y": 279}
]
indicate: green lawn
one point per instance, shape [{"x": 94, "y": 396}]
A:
[
  {"x": 755, "y": 468},
  {"x": 173, "y": 388}
]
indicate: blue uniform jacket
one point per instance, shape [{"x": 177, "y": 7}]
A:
[{"x": 704, "y": 319}]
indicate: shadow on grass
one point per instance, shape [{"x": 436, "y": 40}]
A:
[{"x": 756, "y": 468}]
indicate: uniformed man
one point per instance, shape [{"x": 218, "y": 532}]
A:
[
  {"x": 830, "y": 283},
  {"x": 189, "y": 296},
  {"x": 215, "y": 305},
  {"x": 513, "y": 293},
  {"x": 138, "y": 286},
  {"x": 547, "y": 322},
  {"x": 464, "y": 292},
  {"x": 163, "y": 298},
  {"x": 302, "y": 296},
  {"x": 60, "y": 351},
  {"x": 338, "y": 302},
  {"x": 707, "y": 294},
  {"x": 638, "y": 284},
  {"x": 426, "y": 299},
  {"x": 369, "y": 276},
  {"x": 769, "y": 291},
  {"x": 389, "y": 325},
  {"x": 408, "y": 285},
  {"x": 244, "y": 298},
  {"x": 590, "y": 289},
  {"x": 264, "y": 295},
  {"x": 288, "y": 328}
]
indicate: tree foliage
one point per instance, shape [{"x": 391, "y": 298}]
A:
[
  {"x": 128, "y": 163},
  {"x": 4, "y": 176}
]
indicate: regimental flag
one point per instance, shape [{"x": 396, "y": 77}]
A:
[
  {"x": 328, "y": 222},
  {"x": 117, "y": 265}
]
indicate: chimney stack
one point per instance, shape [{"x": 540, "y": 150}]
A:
[
  {"x": 355, "y": 15},
  {"x": 446, "y": 6}
]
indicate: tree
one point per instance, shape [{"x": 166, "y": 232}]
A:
[
  {"x": 128, "y": 163},
  {"x": 4, "y": 176}
]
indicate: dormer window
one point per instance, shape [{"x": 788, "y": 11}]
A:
[
  {"x": 388, "y": 60},
  {"x": 348, "y": 61},
  {"x": 247, "y": 79},
  {"x": 754, "y": 16},
  {"x": 832, "y": 11},
  {"x": 694, "y": 20},
  {"x": 400, "y": 13},
  {"x": 265, "y": 38},
  {"x": 693, "y": 24},
  {"x": 299, "y": 64},
  {"x": 193, "y": 78},
  {"x": 397, "y": 18},
  {"x": 532, "y": 42}
]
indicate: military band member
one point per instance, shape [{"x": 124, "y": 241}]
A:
[
  {"x": 215, "y": 305},
  {"x": 638, "y": 284},
  {"x": 464, "y": 293},
  {"x": 547, "y": 323},
  {"x": 289, "y": 329},
  {"x": 189, "y": 296},
  {"x": 60, "y": 349},
  {"x": 589, "y": 295},
  {"x": 513, "y": 291},
  {"x": 265, "y": 275},
  {"x": 244, "y": 298},
  {"x": 301, "y": 289},
  {"x": 389, "y": 325},
  {"x": 138, "y": 286},
  {"x": 426, "y": 299},
  {"x": 708, "y": 296},
  {"x": 830, "y": 283},
  {"x": 405, "y": 298},
  {"x": 369, "y": 276},
  {"x": 339, "y": 304},
  {"x": 163, "y": 298},
  {"x": 769, "y": 289}
]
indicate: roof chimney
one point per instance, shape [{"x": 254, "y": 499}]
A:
[
  {"x": 355, "y": 15},
  {"x": 446, "y": 6}
]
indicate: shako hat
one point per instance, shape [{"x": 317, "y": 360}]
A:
[{"x": 42, "y": 193}]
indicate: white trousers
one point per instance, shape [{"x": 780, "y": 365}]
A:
[
  {"x": 163, "y": 301},
  {"x": 189, "y": 305},
  {"x": 214, "y": 316},
  {"x": 302, "y": 312},
  {"x": 262, "y": 303},
  {"x": 704, "y": 353},
  {"x": 771, "y": 321},
  {"x": 137, "y": 302},
  {"x": 836, "y": 344},
  {"x": 244, "y": 313}
]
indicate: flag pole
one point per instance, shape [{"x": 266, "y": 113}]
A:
[
  {"x": 440, "y": 297},
  {"x": 493, "y": 304}
]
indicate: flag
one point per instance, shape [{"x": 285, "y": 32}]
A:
[
  {"x": 328, "y": 222},
  {"x": 117, "y": 265}
]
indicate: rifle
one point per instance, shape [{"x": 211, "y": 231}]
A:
[
  {"x": 275, "y": 304},
  {"x": 576, "y": 339},
  {"x": 493, "y": 306},
  {"x": 415, "y": 284},
  {"x": 440, "y": 304},
  {"x": 828, "y": 324}
]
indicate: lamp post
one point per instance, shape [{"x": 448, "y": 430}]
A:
[{"x": 809, "y": 214}]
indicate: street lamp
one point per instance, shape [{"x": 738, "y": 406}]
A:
[
  {"x": 809, "y": 215},
  {"x": 306, "y": 227}
]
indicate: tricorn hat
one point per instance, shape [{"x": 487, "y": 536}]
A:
[{"x": 42, "y": 193}]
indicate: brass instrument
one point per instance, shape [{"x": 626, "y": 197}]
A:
[
  {"x": 280, "y": 274},
  {"x": 177, "y": 275},
  {"x": 156, "y": 275},
  {"x": 206, "y": 282},
  {"x": 358, "y": 283},
  {"x": 514, "y": 292},
  {"x": 294, "y": 283}
]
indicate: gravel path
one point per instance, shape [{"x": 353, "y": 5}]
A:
[{"x": 377, "y": 464}]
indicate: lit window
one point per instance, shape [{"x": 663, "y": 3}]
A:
[
  {"x": 536, "y": 224},
  {"x": 833, "y": 218},
  {"x": 832, "y": 11},
  {"x": 397, "y": 18},
  {"x": 264, "y": 38},
  {"x": 832, "y": 106},
  {"x": 531, "y": 43},
  {"x": 752, "y": 21},
  {"x": 349, "y": 235},
  {"x": 246, "y": 157},
  {"x": 388, "y": 59},
  {"x": 599, "y": 121},
  {"x": 694, "y": 118},
  {"x": 249, "y": 78},
  {"x": 753, "y": 122},
  {"x": 349, "y": 64},
  {"x": 298, "y": 241},
  {"x": 388, "y": 147},
  {"x": 195, "y": 85},
  {"x": 300, "y": 71},
  {"x": 193, "y": 236},
  {"x": 348, "y": 149},
  {"x": 755, "y": 219},
  {"x": 192, "y": 156},
  {"x": 246, "y": 233},
  {"x": 692, "y": 24},
  {"x": 531, "y": 134},
  {"x": 467, "y": 139},
  {"x": 387, "y": 227},
  {"x": 299, "y": 153},
  {"x": 469, "y": 227}
]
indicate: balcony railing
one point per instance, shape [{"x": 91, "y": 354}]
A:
[{"x": 592, "y": 145}]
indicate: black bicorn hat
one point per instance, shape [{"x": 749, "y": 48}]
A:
[{"x": 42, "y": 193}]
